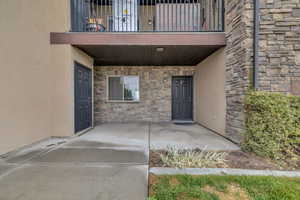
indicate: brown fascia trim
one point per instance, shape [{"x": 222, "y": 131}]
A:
[{"x": 156, "y": 39}]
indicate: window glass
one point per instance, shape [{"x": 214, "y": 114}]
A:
[
  {"x": 131, "y": 88},
  {"x": 115, "y": 88},
  {"x": 123, "y": 88}
]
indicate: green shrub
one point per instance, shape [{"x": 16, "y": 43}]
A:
[
  {"x": 272, "y": 125},
  {"x": 152, "y": 198}
]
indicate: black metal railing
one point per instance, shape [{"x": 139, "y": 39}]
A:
[{"x": 147, "y": 15}]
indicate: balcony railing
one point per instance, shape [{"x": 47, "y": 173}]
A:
[{"x": 147, "y": 15}]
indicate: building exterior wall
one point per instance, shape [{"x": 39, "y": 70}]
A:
[
  {"x": 36, "y": 77},
  {"x": 210, "y": 99},
  {"x": 238, "y": 52},
  {"x": 279, "y": 52},
  {"x": 26, "y": 68},
  {"x": 155, "y": 93},
  {"x": 62, "y": 90}
]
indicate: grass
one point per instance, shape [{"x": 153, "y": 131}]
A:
[{"x": 185, "y": 187}]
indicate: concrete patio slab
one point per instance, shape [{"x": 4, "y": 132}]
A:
[
  {"x": 95, "y": 144},
  {"x": 33, "y": 150},
  {"x": 86, "y": 155},
  {"x": 189, "y": 136},
  {"x": 5, "y": 168},
  {"x": 24, "y": 156},
  {"x": 116, "y": 134},
  {"x": 75, "y": 183},
  {"x": 109, "y": 162}
]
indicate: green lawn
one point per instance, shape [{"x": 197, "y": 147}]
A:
[{"x": 185, "y": 187}]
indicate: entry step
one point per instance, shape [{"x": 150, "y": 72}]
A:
[{"x": 183, "y": 122}]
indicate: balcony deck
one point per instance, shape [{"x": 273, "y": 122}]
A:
[
  {"x": 147, "y": 15},
  {"x": 144, "y": 48},
  {"x": 145, "y": 32}
]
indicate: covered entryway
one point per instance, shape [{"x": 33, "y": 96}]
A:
[
  {"x": 83, "y": 97},
  {"x": 182, "y": 98}
]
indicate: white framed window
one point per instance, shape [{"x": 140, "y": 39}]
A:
[{"x": 123, "y": 88}]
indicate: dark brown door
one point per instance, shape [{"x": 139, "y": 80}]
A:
[
  {"x": 83, "y": 98},
  {"x": 182, "y": 98}
]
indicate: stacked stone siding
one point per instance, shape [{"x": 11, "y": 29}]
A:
[
  {"x": 238, "y": 27},
  {"x": 280, "y": 46},
  {"x": 279, "y": 54},
  {"x": 155, "y": 93}
]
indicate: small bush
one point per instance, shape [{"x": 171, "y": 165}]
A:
[
  {"x": 189, "y": 158},
  {"x": 152, "y": 198},
  {"x": 272, "y": 125}
]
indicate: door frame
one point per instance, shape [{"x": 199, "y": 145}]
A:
[
  {"x": 74, "y": 63},
  {"x": 192, "y": 88}
]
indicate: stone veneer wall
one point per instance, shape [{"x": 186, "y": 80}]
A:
[
  {"x": 238, "y": 27},
  {"x": 155, "y": 93},
  {"x": 280, "y": 46},
  {"x": 279, "y": 54}
]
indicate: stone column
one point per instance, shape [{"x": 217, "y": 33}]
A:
[
  {"x": 279, "y": 54},
  {"x": 239, "y": 31}
]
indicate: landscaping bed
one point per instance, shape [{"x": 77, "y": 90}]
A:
[
  {"x": 187, "y": 187},
  {"x": 232, "y": 159}
]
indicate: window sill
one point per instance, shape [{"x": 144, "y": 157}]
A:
[{"x": 122, "y": 101}]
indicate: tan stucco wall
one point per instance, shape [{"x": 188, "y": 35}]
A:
[
  {"x": 210, "y": 101},
  {"x": 36, "y": 77},
  {"x": 62, "y": 112}
]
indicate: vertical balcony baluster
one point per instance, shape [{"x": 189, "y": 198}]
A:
[{"x": 147, "y": 15}]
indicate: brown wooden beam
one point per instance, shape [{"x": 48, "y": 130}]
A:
[{"x": 198, "y": 39}]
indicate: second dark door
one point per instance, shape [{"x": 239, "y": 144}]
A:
[
  {"x": 182, "y": 98},
  {"x": 83, "y": 98}
]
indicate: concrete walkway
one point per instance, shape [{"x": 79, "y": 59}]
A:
[
  {"x": 108, "y": 163},
  {"x": 190, "y": 136}
]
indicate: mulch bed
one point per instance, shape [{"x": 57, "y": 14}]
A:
[{"x": 235, "y": 159}]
